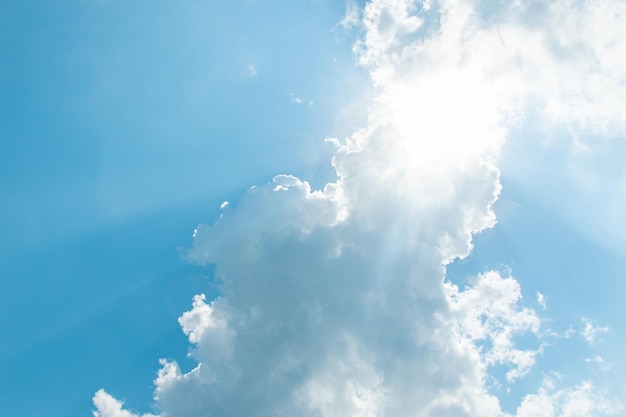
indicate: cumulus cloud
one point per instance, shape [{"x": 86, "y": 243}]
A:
[
  {"x": 579, "y": 401},
  {"x": 490, "y": 311},
  {"x": 110, "y": 407},
  {"x": 334, "y": 302}
]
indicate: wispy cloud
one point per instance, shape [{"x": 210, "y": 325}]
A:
[
  {"x": 352, "y": 16},
  {"x": 542, "y": 300},
  {"x": 592, "y": 330},
  {"x": 295, "y": 99},
  {"x": 599, "y": 362}
]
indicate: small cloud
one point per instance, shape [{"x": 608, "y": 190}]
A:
[
  {"x": 224, "y": 205},
  {"x": 107, "y": 406},
  {"x": 252, "y": 70},
  {"x": 298, "y": 100},
  {"x": 592, "y": 330},
  {"x": 295, "y": 99},
  {"x": 351, "y": 17},
  {"x": 542, "y": 300},
  {"x": 600, "y": 362}
]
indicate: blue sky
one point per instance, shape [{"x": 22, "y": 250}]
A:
[{"x": 125, "y": 125}]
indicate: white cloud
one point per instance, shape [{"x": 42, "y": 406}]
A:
[
  {"x": 542, "y": 300},
  {"x": 580, "y": 401},
  {"x": 599, "y": 362},
  {"x": 489, "y": 311},
  {"x": 295, "y": 99},
  {"x": 592, "y": 330},
  {"x": 334, "y": 301},
  {"x": 110, "y": 407},
  {"x": 352, "y": 16}
]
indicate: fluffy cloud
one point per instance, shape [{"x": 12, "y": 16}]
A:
[
  {"x": 334, "y": 302},
  {"x": 110, "y": 407},
  {"x": 489, "y": 310},
  {"x": 582, "y": 400}
]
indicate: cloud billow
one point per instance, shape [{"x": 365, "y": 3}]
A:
[{"x": 334, "y": 302}]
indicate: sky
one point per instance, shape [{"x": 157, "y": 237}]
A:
[{"x": 313, "y": 208}]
